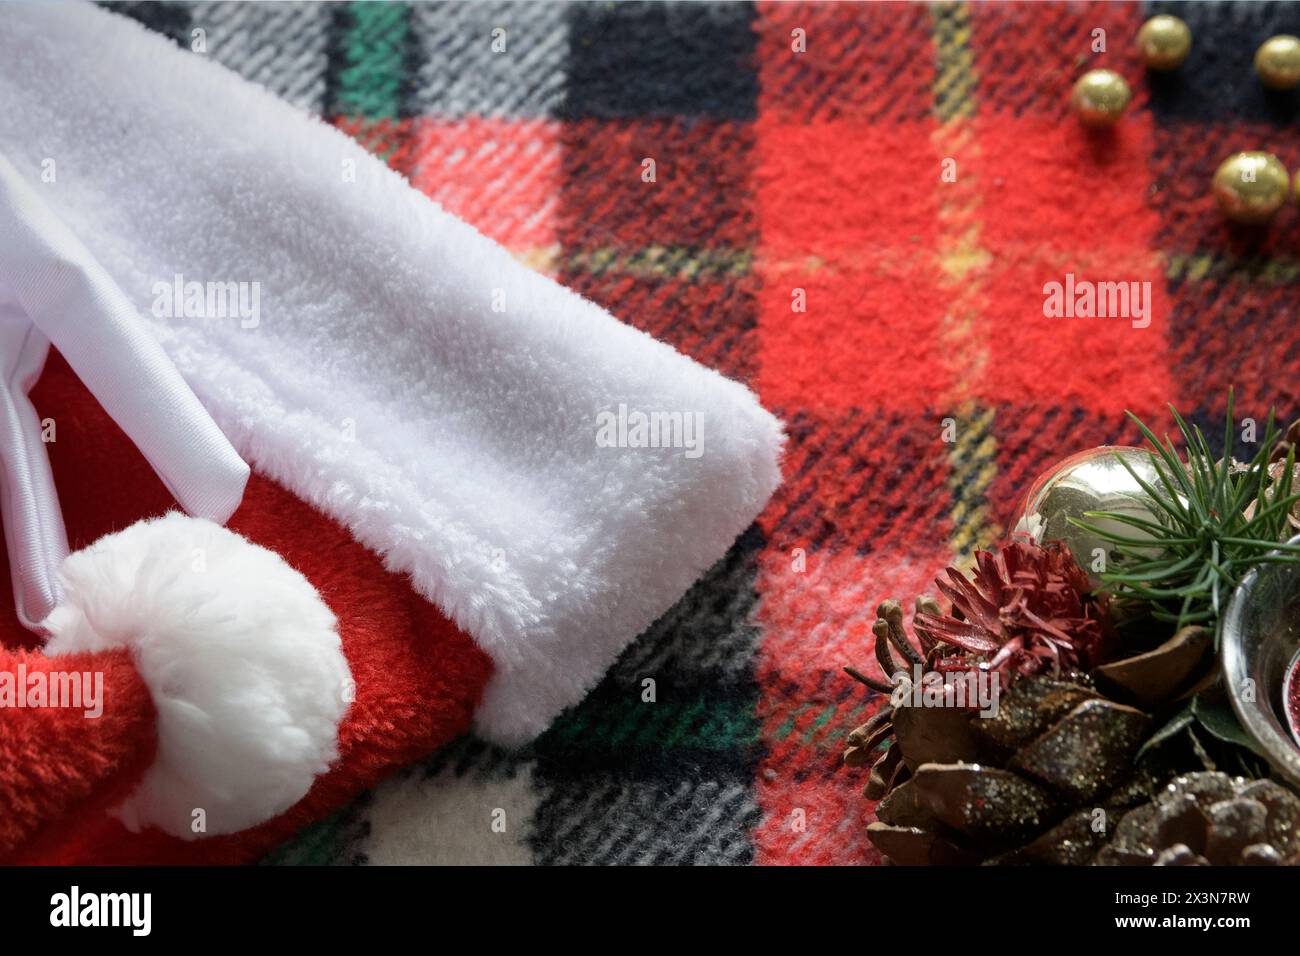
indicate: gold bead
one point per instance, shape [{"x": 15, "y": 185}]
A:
[
  {"x": 1251, "y": 187},
  {"x": 1277, "y": 62},
  {"x": 1165, "y": 42},
  {"x": 1100, "y": 97}
]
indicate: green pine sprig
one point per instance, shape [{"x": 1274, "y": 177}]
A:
[{"x": 1183, "y": 566}]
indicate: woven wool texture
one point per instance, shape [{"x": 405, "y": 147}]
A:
[{"x": 819, "y": 171}]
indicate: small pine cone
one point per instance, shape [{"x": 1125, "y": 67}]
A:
[{"x": 1210, "y": 819}]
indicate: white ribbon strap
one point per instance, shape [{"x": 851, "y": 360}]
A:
[{"x": 52, "y": 290}]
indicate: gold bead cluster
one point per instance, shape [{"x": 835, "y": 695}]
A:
[{"x": 1249, "y": 187}]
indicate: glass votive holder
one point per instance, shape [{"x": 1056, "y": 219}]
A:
[{"x": 1261, "y": 643}]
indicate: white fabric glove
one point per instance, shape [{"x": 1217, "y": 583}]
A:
[{"x": 52, "y": 290}]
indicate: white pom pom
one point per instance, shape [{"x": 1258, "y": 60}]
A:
[{"x": 240, "y": 653}]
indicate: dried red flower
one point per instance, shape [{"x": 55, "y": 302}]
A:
[{"x": 1027, "y": 609}]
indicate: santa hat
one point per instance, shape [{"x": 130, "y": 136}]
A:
[{"x": 436, "y": 534}]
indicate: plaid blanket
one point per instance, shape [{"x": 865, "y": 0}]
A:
[{"x": 854, "y": 209}]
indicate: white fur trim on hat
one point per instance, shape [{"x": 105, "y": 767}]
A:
[{"x": 241, "y": 655}]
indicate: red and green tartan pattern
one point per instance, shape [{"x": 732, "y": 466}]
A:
[{"x": 820, "y": 171}]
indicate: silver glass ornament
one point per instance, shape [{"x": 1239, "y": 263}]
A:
[{"x": 1092, "y": 480}]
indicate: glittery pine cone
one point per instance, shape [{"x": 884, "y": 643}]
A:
[
  {"x": 1046, "y": 777},
  {"x": 1018, "y": 786},
  {"x": 1210, "y": 819}
]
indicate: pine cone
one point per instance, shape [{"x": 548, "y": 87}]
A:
[
  {"x": 1028, "y": 609},
  {"x": 1047, "y": 778},
  {"x": 874, "y": 742},
  {"x": 1029, "y": 785},
  {"x": 1210, "y": 819}
]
